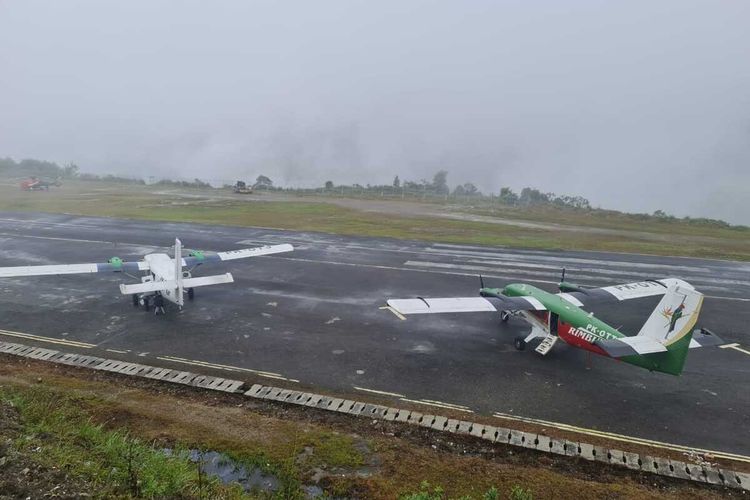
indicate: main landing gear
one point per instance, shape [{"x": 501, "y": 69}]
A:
[
  {"x": 504, "y": 316},
  {"x": 142, "y": 300},
  {"x": 519, "y": 343},
  {"x": 191, "y": 293}
]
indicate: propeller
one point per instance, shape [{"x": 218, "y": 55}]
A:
[
  {"x": 562, "y": 278},
  {"x": 481, "y": 281}
]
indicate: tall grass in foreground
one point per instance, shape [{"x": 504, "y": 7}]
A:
[{"x": 57, "y": 432}]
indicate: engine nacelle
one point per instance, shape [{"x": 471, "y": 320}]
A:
[{"x": 569, "y": 287}]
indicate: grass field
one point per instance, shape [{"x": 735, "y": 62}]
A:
[{"x": 564, "y": 230}]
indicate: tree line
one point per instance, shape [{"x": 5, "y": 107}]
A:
[{"x": 437, "y": 187}]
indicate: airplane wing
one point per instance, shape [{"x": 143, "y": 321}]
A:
[
  {"x": 197, "y": 258},
  {"x": 115, "y": 265},
  {"x": 462, "y": 304},
  {"x": 617, "y": 293}
]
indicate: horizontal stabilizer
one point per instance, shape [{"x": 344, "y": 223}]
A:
[
  {"x": 160, "y": 286},
  {"x": 149, "y": 286},
  {"x": 643, "y": 344},
  {"x": 207, "y": 280},
  {"x": 704, "y": 338},
  {"x": 631, "y": 346},
  {"x": 444, "y": 305}
]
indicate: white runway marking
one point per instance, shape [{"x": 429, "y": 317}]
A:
[
  {"x": 260, "y": 373},
  {"x": 74, "y": 240},
  {"x": 452, "y": 273},
  {"x": 526, "y": 257},
  {"x": 384, "y": 393},
  {"x": 439, "y": 404},
  {"x": 623, "y": 438},
  {"x": 734, "y": 346},
  {"x": 573, "y": 260},
  {"x": 398, "y": 314},
  {"x": 602, "y": 277},
  {"x": 41, "y": 338}
]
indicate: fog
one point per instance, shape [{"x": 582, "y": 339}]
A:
[{"x": 635, "y": 105}]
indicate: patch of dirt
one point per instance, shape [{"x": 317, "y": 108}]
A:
[{"x": 21, "y": 476}]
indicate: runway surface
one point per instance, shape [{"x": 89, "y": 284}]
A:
[{"x": 313, "y": 317}]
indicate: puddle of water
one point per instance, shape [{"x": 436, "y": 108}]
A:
[
  {"x": 312, "y": 491},
  {"x": 252, "y": 479},
  {"x": 228, "y": 471}
]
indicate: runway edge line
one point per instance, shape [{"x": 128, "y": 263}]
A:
[{"x": 646, "y": 463}]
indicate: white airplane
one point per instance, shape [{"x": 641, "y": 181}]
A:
[{"x": 164, "y": 276}]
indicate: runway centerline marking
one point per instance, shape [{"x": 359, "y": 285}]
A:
[
  {"x": 195, "y": 362},
  {"x": 41, "y": 338},
  {"x": 374, "y": 391},
  {"x": 623, "y": 438},
  {"x": 734, "y": 346}
]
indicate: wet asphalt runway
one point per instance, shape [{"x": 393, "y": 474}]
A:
[{"x": 313, "y": 316}]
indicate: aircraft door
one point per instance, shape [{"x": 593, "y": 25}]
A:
[{"x": 553, "y": 321}]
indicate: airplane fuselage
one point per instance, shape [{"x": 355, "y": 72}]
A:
[
  {"x": 575, "y": 326},
  {"x": 162, "y": 268}
]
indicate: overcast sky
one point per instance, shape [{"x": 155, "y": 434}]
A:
[{"x": 635, "y": 105}]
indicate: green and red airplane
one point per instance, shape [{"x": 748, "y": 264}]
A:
[{"x": 661, "y": 345}]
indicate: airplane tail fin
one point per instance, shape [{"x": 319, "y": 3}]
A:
[
  {"x": 671, "y": 324},
  {"x": 675, "y": 315},
  {"x": 178, "y": 271}
]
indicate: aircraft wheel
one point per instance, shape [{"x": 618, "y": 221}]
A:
[
  {"x": 146, "y": 303},
  {"x": 519, "y": 343},
  {"x": 136, "y": 302},
  {"x": 191, "y": 293},
  {"x": 504, "y": 316}
]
